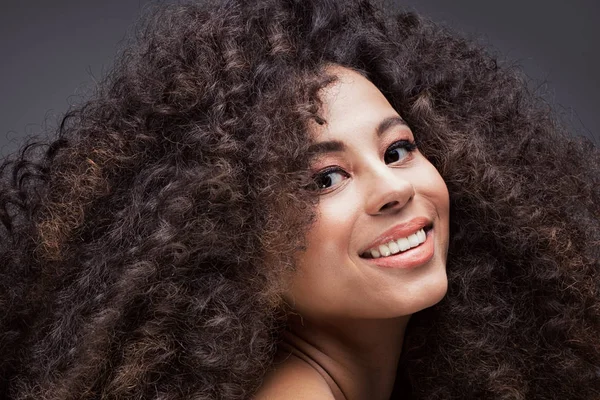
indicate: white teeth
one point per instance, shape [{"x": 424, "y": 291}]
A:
[
  {"x": 403, "y": 244},
  {"x": 413, "y": 240},
  {"x": 399, "y": 245},
  {"x": 393, "y": 247},
  {"x": 384, "y": 250}
]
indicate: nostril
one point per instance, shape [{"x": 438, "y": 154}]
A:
[{"x": 389, "y": 205}]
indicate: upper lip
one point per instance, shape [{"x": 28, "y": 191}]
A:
[{"x": 401, "y": 230}]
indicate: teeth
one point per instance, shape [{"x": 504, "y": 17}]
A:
[
  {"x": 384, "y": 250},
  {"x": 399, "y": 245},
  {"x": 413, "y": 240},
  {"x": 403, "y": 244}
]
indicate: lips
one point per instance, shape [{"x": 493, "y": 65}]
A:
[
  {"x": 399, "y": 231},
  {"x": 407, "y": 260},
  {"x": 397, "y": 246}
]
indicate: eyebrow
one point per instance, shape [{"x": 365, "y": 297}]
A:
[
  {"x": 333, "y": 146},
  {"x": 389, "y": 122}
]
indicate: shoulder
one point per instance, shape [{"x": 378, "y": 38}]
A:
[{"x": 293, "y": 379}]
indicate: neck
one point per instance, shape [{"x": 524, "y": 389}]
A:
[{"x": 359, "y": 358}]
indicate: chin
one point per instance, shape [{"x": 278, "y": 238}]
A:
[
  {"x": 437, "y": 293},
  {"x": 433, "y": 293},
  {"x": 425, "y": 295}
]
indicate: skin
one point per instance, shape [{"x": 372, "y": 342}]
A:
[{"x": 345, "y": 335}]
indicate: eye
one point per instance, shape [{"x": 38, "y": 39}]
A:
[
  {"x": 329, "y": 178},
  {"x": 398, "y": 151}
]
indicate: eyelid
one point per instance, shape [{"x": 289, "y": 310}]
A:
[
  {"x": 326, "y": 170},
  {"x": 409, "y": 145}
]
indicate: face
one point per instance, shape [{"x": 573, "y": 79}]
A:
[{"x": 377, "y": 196}]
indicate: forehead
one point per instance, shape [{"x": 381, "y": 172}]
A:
[{"x": 351, "y": 102}]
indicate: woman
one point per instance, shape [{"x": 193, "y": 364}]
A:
[
  {"x": 375, "y": 255},
  {"x": 217, "y": 222}
]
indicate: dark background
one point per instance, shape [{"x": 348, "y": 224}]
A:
[{"x": 53, "y": 51}]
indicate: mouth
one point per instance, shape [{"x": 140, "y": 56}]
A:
[{"x": 398, "y": 245}]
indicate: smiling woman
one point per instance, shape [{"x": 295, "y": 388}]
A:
[
  {"x": 380, "y": 195},
  {"x": 302, "y": 199},
  {"x": 377, "y": 194}
]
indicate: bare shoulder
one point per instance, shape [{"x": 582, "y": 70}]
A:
[{"x": 294, "y": 379}]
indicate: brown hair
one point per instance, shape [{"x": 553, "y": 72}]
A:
[{"x": 134, "y": 244}]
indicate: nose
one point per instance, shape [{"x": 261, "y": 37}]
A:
[{"x": 388, "y": 191}]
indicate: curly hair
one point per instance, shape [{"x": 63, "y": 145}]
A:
[{"x": 145, "y": 249}]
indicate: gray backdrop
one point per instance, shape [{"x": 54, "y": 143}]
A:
[{"x": 52, "y": 51}]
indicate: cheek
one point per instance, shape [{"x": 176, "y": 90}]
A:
[
  {"x": 335, "y": 223},
  {"x": 433, "y": 186},
  {"x": 329, "y": 242},
  {"x": 441, "y": 193},
  {"x": 434, "y": 189}
]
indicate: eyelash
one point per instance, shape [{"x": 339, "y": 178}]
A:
[{"x": 400, "y": 144}]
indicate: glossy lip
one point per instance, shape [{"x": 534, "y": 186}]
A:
[
  {"x": 408, "y": 259},
  {"x": 399, "y": 231}
]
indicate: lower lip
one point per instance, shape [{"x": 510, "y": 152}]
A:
[{"x": 408, "y": 259}]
